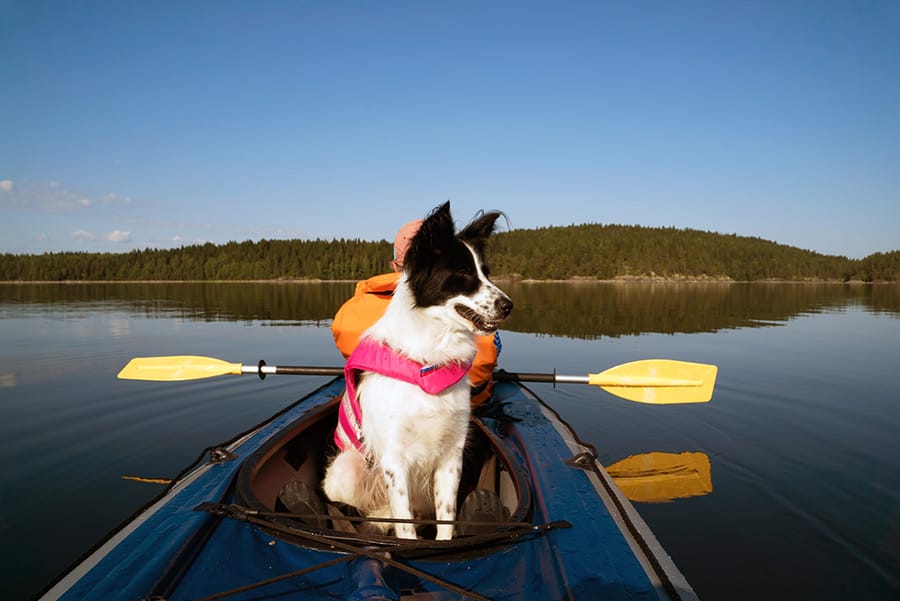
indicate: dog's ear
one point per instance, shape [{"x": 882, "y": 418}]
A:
[
  {"x": 435, "y": 234},
  {"x": 477, "y": 232}
]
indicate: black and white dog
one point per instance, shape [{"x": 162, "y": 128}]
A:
[{"x": 402, "y": 437}]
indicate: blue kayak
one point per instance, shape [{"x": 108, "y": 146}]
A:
[{"x": 220, "y": 532}]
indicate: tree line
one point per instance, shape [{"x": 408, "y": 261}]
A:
[{"x": 590, "y": 251}]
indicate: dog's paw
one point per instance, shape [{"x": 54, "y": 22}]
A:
[{"x": 405, "y": 531}]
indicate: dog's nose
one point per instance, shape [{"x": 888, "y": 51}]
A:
[{"x": 503, "y": 305}]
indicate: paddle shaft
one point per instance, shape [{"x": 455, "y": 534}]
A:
[
  {"x": 554, "y": 378},
  {"x": 264, "y": 370},
  {"x": 503, "y": 376},
  {"x": 599, "y": 380},
  {"x": 291, "y": 370}
]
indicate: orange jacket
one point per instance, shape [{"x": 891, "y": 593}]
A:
[{"x": 369, "y": 303}]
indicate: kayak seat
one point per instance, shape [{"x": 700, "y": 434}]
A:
[
  {"x": 303, "y": 501},
  {"x": 481, "y": 505}
]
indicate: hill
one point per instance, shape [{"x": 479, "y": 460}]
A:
[
  {"x": 590, "y": 251},
  {"x": 615, "y": 251}
]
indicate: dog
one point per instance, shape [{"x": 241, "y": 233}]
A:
[{"x": 404, "y": 457}]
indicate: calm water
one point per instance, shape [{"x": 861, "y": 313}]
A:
[{"x": 803, "y": 432}]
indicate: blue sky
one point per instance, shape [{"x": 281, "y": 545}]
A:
[{"x": 134, "y": 124}]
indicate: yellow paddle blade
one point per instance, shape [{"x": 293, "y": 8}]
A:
[
  {"x": 659, "y": 381},
  {"x": 177, "y": 368},
  {"x": 661, "y": 477}
]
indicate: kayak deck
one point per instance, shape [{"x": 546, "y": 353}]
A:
[{"x": 570, "y": 533}]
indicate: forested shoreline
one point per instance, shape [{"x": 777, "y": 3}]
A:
[{"x": 588, "y": 251}]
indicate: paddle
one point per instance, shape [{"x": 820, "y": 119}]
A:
[{"x": 655, "y": 381}]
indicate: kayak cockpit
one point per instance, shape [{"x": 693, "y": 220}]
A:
[{"x": 296, "y": 457}]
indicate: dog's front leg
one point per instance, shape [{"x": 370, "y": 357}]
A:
[
  {"x": 446, "y": 486},
  {"x": 396, "y": 480}
]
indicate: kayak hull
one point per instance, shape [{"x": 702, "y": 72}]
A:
[{"x": 571, "y": 533}]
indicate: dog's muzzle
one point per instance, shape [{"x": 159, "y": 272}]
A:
[{"x": 502, "y": 308}]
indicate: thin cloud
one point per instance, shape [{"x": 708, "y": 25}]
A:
[
  {"x": 116, "y": 199},
  {"x": 82, "y": 236},
  {"x": 41, "y": 197},
  {"x": 118, "y": 236}
]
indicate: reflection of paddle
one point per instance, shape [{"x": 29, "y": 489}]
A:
[
  {"x": 660, "y": 477},
  {"x": 656, "y": 381},
  {"x": 148, "y": 480}
]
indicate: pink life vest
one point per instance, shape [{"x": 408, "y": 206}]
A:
[{"x": 382, "y": 359}]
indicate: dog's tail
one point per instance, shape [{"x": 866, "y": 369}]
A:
[{"x": 350, "y": 479}]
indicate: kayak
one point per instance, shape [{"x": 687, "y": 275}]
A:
[{"x": 220, "y": 530}]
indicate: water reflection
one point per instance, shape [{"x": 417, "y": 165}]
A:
[
  {"x": 574, "y": 310},
  {"x": 662, "y": 477},
  {"x": 306, "y": 303},
  {"x": 592, "y": 310}
]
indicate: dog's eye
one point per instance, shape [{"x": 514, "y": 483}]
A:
[
  {"x": 485, "y": 270},
  {"x": 463, "y": 277}
]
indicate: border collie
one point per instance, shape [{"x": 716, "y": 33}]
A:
[{"x": 401, "y": 442}]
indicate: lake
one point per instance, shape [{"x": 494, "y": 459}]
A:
[{"x": 802, "y": 433}]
